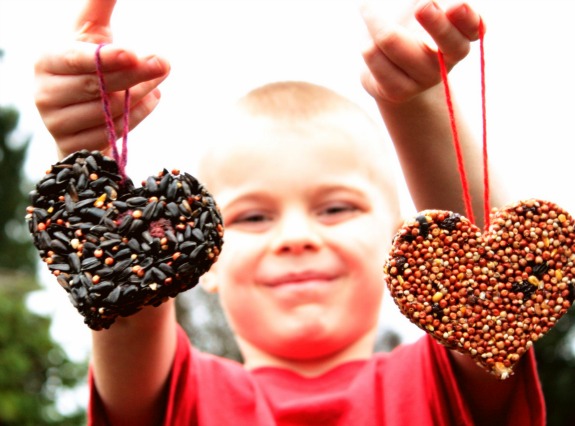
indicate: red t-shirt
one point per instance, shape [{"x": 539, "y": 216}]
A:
[{"x": 412, "y": 385}]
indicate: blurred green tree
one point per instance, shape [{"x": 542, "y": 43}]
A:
[
  {"x": 35, "y": 369},
  {"x": 16, "y": 252}
]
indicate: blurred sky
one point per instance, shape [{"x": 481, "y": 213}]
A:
[{"x": 219, "y": 49}]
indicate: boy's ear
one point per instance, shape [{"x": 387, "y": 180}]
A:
[{"x": 208, "y": 282}]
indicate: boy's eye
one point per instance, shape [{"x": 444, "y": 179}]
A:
[
  {"x": 337, "y": 209},
  {"x": 252, "y": 218},
  {"x": 334, "y": 213},
  {"x": 252, "y": 221}
]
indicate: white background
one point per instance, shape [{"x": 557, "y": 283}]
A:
[{"x": 220, "y": 49}]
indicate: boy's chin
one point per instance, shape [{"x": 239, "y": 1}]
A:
[{"x": 307, "y": 346}]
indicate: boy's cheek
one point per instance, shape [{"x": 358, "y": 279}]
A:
[{"x": 377, "y": 235}]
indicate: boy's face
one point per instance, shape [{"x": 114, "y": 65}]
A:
[{"x": 307, "y": 231}]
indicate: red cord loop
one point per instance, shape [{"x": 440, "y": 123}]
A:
[{"x": 455, "y": 135}]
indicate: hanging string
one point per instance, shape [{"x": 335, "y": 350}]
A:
[
  {"x": 456, "y": 142},
  {"x": 120, "y": 158},
  {"x": 486, "y": 194}
]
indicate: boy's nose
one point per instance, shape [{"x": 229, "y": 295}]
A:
[{"x": 296, "y": 234}]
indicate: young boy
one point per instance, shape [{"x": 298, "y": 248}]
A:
[{"x": 304, "y": 185}]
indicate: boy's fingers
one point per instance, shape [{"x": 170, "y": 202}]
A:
[
  {"x": 78, "y": 116},
  {"x": 452, "y": 43},
  {"x": 93, "y": 23},
  {"x": 96, "y": 137},
  {"x": 400, "y": 46},
  {"x": 408, "y": 54},
  {"x": 466, "y": 20},
  {"x": 80, "y": 59},
  {"x": 396, "y": 62},
  {"x": 75, "y": 80}
]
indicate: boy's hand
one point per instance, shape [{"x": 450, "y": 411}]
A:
[
  {"x": 67, "y": 94},
  {"x": 401, "y": 66}
]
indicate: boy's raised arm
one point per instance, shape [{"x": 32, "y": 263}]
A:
[
  {"x": 403, "y": 77},
  {"x": 131, "y": 360}
]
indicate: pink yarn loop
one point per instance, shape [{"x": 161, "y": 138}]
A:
[{"x": 120, "y": 158}]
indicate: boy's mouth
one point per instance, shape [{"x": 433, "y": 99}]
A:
[{"x": 300, "y": 278}]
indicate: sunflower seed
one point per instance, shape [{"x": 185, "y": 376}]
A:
[
  {"x": 185, "y": 269},
  {"x": 152, "y": 185},
  {"x": 121, "y": 254},
  {"x": 74, "y": 262},
  {"x": 136, "y": 201},
  {"x": 197, "y": 251},
  {"x": 148, "y": 212},
  {"x": 185, "y": 207},
  {"x": 146, "y": 262},
  {"x": 136, "y": 226},
  {"x": 62, "y": 237},
  {"x": 159, "y": 274},
  {"x": 172, "y": 190},
  {"x": 166, "y": 269},
  {"x": 120, "y": 205},
  {"x": 188, "y": 246},
  {"x": 100, "y": 230},
  {"x": 202, "y": 220},
  {"x": 44, "y": 240},
  {"x": 63, "y": 281},
  {"x": 104, "y": 271},
  {"x": 173, "y": 210},
  {"x": 165, "y": 181},
  {"x": 82, "y": 182},
  {"x": 47, "y": 186},
  {"x": 102, "y": 287},
  {"x": 90, "y": 263},
  {"x": 134, "y": 245},
  {"x": 108, "y": 244},
  {"x": 79, "y": 293},
  {"x": 198, "y": 234},
  {"x": 125, "y": 224},
  {"x": 113, "y": 296},
  {"x": 69, "y": 203},
  {"x": 122, "y": 265},
  {"x": 147, "y": 237},
  {"x": 59, "y": 246},
  {"x": 62, "y": 267},
  {"x": 87, "y": 193},
  {"x": 63, "y": 175},
  {"x": 94, "y": 212}
]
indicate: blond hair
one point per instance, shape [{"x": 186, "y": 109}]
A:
[
  {"x": 301, "y": 104},
  {"x": 293, "y": 100}
]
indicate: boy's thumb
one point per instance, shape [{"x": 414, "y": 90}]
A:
[{"x": 93, "y": 23}]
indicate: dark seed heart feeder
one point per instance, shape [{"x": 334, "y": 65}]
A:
[{"x": 116, "y": 248}]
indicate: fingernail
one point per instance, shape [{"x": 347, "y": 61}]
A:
[
  {"x": 429, "y": 9},
  {"x": 124, "y": 58},
  {"x": 85, "y": 27},
  {"x": 461, "y": 12},
  {"x": 154, "y": 63}
]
